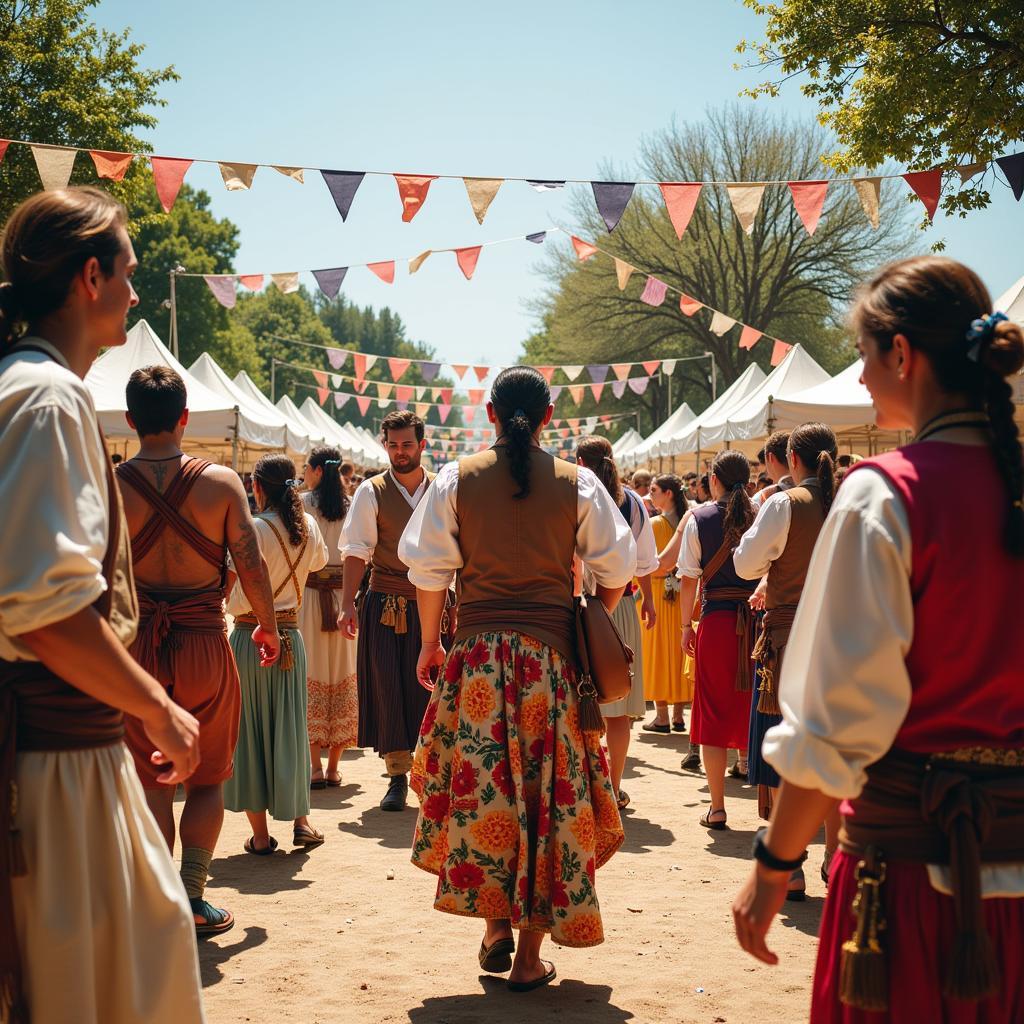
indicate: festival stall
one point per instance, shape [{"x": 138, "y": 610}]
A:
[
  {"x": 338, "y": 434},
  {"x": 645, "y": 449},
  {"x": 630, "y": 439},
  {"x": 293, "y": 414},
  {"x": 297, "y": 439}
]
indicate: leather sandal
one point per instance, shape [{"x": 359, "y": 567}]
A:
[
  {"x": 497, "y": 957},
  {"x": 529, "y": 986},
  {"x": 307, "y": 836},
  {"x": 718, "y": 826},
  {"x": 251, "y": 847}
]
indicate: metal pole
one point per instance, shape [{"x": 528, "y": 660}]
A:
[
  {"x": 714, "y": 375},
  {"x": 273, "y": 379},
  {"x": 636, "y": 415},
  {"x": 234, "y": 443},
  {"x": 174, "y": 315}
]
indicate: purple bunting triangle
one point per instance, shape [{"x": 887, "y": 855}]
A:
[
  {"x": 330, "y": 280},
  {"x": 429, "y": 370},
  {"x": 1013, "y": 167},
  {"x": 556, "y": 391},
  {"x": 340, "y": 399},
  {"x": 403, "y": 406},
  {"x": 223, "y": 289},
  {"x": 537, "y": 237},
  {"x": 336, "y": 357},
  {"x": 638, "y": 385},
  {"x": 343, "y": 186},
  {"x": 618, "y": 388},
  {"x": 612, "y": 197},
  {"x": 598, "y": 372}
]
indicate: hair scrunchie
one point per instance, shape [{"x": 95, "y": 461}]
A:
[{"x": 980, "y": 333}]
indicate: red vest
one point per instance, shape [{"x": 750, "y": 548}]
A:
[{"x": 966, "y": 662}]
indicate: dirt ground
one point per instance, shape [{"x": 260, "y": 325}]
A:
[{"x": 347, "y": 932}]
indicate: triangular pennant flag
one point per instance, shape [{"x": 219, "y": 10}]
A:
[
  {"x": 404, "y": 393},
  {"x": 238, "y": 176},
  {"x": 361, "y": 384},
  {"x": 968, "y": 171},
  {"x": 606, "y": 420},
  {"x": 556, "y": 393},
  {"x": 1013, "y": 167},
  {"x": 564, "y": 433},
  {"x": 638, "y": 385},
  {"x": 808, "y": 200},
  {"x": 109, "y": 165},
  {"x": 481, "y": 192},
  {"x": 481, "y": 372},
  {"x": 295, "y": 173},
  {"x": 383, "y": 403},
  {"x": 576, "y": 392},
  {"x": 746, "y": 201},
  {"x": 340, "y": 399},
  {"x": 618, "y": 388},
  {"x": 584, "y": 250},
  {"x": 384, "y": 389},
  {"x": 322, "y": 395},
  {"x": 720, "y": 323},
  {"x": 397, "y": 367},
  {"x": 537, "y": 237},
  {"x": 546, "y": 186},
  {"x": 254, "y": 282},
  {"x": 412, "y": 190},
  {"x": 651, "y": 366},
  {"x": 680, "y": 201},
  {"x": 336, "y": 380},
  {"x": 779, "y": 351},
  {"x": 336, "y": 356},
  {"x": 287, "y": 282},
  {"x": 654, "y": 292},
  {"x": 321, "y": 379},
  {"x": 422, "y": 409},
  {"x": 446, "y": 395},
  {"x": 595, "y": 390},
  {"x": 363, "y": 363},
  {"x": 223, "y": 289},
  {"x": 343, "y": 186},
  {"x": 168, "y": 175},
  {"x": 467, "y": 259},
  {"x": 689, "y": 306},
  {"x": 749, "y": 337},
  {"x": 54, "y": 165},
  {"x": 621, "y": 370},
  {"x": 417, "y": 261},
  {"x": 385, "y": 270},
  {"x": 547, "y": 372},
  {"x": 4, "y": 143},
  {"x": 598, "y": 372},
  {"x": 363, "y": 401},
  {"x": 612, "y": 197},
  {"x": 591, "y": 422},
  {"x": 669, "y": 366},
  {"x": 442, "y": 412},
  {"x": 623, "y": 271},
  {"x": 476, "y": 395},
  {"x": 429, "y": 370},
  {"x": 869, "y": 193},
  {"x": 460, "y": 369},
  {"x": 572, "y": 372},
  {"x": 330, "y": 280},
  {"x": 927, "y": 186}
]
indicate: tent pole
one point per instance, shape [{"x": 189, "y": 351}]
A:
[
  {"x": 174, "y": 312},
  {"x": 273, "y": 379},
  {"x": 234, "y": 443},
  {"x": 771, "y": 413}
]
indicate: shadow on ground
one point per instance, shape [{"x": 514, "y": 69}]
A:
[
  {"x": 215, "y": 952},
  {"x": 391, "y": 829}
]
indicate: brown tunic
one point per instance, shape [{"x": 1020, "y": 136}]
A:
[{"x": 388, "y": 573}]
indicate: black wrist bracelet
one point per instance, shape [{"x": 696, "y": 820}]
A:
[{"x": 765, "y": 856}]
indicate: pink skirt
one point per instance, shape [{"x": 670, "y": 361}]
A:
[
  {"x": 721, "y": 713},
  {"x": 920, "y": 927}
]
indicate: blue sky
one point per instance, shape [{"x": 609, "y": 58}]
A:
[{"x": 536, "y": 90}]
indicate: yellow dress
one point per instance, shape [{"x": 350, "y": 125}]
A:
[{"x": 668, "y": 673}]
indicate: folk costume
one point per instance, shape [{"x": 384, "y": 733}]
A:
[
  {"x": 94, "y": 923},
  {"x": 902, "y": 695},
  {"x": 391, "y": 701},
  {"x": 333, "y": 700},
  {"x": 724, "y": 671},
  {"x": 272, "y": 768},
  {"x": 516, "y": 806}
]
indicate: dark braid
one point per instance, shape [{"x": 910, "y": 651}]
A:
[
  {"x": 1009, "y": 456},
  {"x": 733, "y": 473},
  {"x": 276, "y": 476},
  {"x": 520, "y": 397},
  {"x": 816, "y": 445}
]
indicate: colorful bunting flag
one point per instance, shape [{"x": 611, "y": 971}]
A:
[
  {"x": 689, "y": 306},
  {"x": 576, "y": 392},
  {"x": 363, "y": 363},
  {"x": 295, "y": 173},
  {"x": 595, "y": 390},
  {"x": 223, "y": 289},
  {"x": 343, "y": 186},
  {"x": 322, "y": 394},
  {"x": 749, "y": 336},
  {"x": 238, "y": 177},
  {"x": 340, "y": 400},
  {"x": 598, "y": 372},
  {"x": 623, "y": 271},
  {"x": 54, "y": 165},
  {"x": 336, "y": 380},
  {"x": 335, "y": 355},
  {"x": 669, "y": 366},
  {"x": 404, "y": 393},
  {"x": 384, "y": 389},
  {"x": 397, "y": 367},
  {"x": 481, "y": 372},
  {"x": 481, "y": 192},
  {"x": 412, "y": 190},
  {"x": 547, "y": 372},
  {"x": 1013, "y": 167},
  {"x": 556, "y": 393},
  {"x": 417, "y": 261},
  {"x": 363, "y": 401},
  {"x": 460, "y": 369},
  {"x": 651, "y": 366},
  {"x": 779, "y": 352},
  {"x": 547, "y": 186},
  {"x": 968, "y": 171},
  {"x": 537, "y": 237},
  {"x": 476, "y": 395},
  {"x": 421, "y": 409},
  {"x": 869, "y": 193},
  {"x": 680, "y": 201},
  {"x": 286, "y": 283},
  {"x": 612, "y": 198},
  {"x": 618, "y": 388},
  {"x": 4, "y": 143},
  {"x": 808, "y": 200},
  {"x": 721, "y": 324},
  {"x": 330, "y": 280},
  {"x": 621, "y": 370},
  {"x": 654, "y": 292},
  {"x": 584, "y": 250},
  {"x": 168, "y": 175},
  {"x": 746, "y": 201},
  {"x": 429, "y": 370},
  {"x": 927, "y": 186},
  {"x": 442, "y": 412},
  {"x": 572, "y": 372},
  {"x": 254, "y": 282},
  {"x": 638, "y": 385},
  {"x": 385, "y": 270},
  {"x": 109, "y": 165},
  {"x": 467, "y": 258}
]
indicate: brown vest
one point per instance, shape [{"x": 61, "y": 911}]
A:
[
  {"x": 517, "y": 552},
  {"x": 789, "y": 571},
  {"x": 388, "y": 573}
]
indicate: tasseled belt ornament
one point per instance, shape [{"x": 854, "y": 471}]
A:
[{"x": 394, "y": 613}]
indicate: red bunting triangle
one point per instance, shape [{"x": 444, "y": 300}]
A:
[
  {"x": 168, "y": 174},
  {"x": 254, "y": 282},
  {"x": 547, "y": 372},
  {"x": 481, "y": 372},
  {"x": 808, "y": 200},
  {"x": 446, "y": 395},
  {"x": 404, "y": 393},
  {"x": 749, "y": 337},
  {"x": 460, "y": 369},
  {"x": 680, "y": 201},
  {"x": 412, "y": 190},
  {"x": 652, "y": 366},
  {"x": 779, "y": 352},
  {"x": 362, "y": 361},
  {"x": 689, "y": 306},
  {"x": 322, "y": 394},
  {"x": 363, "y": 401},
  {"x": 467, "y": 259},
  {"x": 927, "y": 186},
  {"x": 595, "y": 390},
  {"x": 476, "y": 396},
  {"x": 385, "y": 271},
  {"x": 584, "y": 250},
  {"x": 321, "y": 379},
  {"x": 398, "y": 367},
  {"x": 111, "y": 165}
]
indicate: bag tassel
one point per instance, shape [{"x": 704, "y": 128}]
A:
[
  {"x": 287, "y": 660},
  {"x": 972, "y": 973},
  {"x": 591, "y": 719},
  {"x": 401, "y": 621},
  {"x": 863, "y": 971},
  {"x": 387, "y": 616},
  {"x": 768, "y": 699}
]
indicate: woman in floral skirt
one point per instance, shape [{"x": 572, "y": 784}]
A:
[{"x": 517, "y": 810}]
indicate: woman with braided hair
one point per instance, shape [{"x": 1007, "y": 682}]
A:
[{"x": 902, "y": 691}]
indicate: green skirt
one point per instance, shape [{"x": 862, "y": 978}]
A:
[{"x": 272, "y": 756}]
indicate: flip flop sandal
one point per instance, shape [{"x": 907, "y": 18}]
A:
[
  {"x": 215, "y": 921},
  {"x": 679, "y": 727},
  {"x": 623, "y": 800},
  {"x": 333, "y": 783},
  {"x": 656, "y": 727},
  {"x": 250, "y": 847},
  {"x": 320, "y": 783},
  {"x": 796, "y": 895},
  {"x": 529, "y": 986},
  {"x": 718, "y": 826},
  {"x": 306, "y": 836},
  {"x": 497, "y": 958}
]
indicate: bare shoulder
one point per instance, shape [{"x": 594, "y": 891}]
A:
[{"x": 222, "y": 482}]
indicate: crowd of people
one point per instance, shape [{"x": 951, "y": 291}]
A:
[{"x": 841, "y": 624}]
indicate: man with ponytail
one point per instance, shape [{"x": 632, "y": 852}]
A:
[
  {"x": 902, "y": 689},
  {"x": 94, "y": 922},
  {"x": 184, "y": 515},
  {"x": 391, "y": 701}
]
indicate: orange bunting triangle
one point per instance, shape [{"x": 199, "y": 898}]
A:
[
  {"x": 476, "y": 395},
  {"x": 254, "y": 282},
  {"x": 398, "y": 367},
  {"x": 321, "y": 378},
  {"x": 111, "y": 165},
  {"x": 927, "y": 186},
  {"x": 623, "y": 272},
  {"x": 384, "y": 389},
  {"x": 412, "y": 190},
  {"x": 779, "y": 352},
  {"x": 680, "y": 201},
  {"x": 621, "y": 370},
  {"x": 481, "y": 372},
  {"x": 322, "y": 395},
  {"x": 460, "y": 369},
  {"x": 749, "y": 336},
  {"x": 576, "y": 391},
  {"x": 651, "y": 366},
  {"x": 385, "y": 271},
  {"x": 595, "y": 390},
  {"x": 168, "y": 175},
  {"x": 467, "y": 259},
  {"x": 808, "y": 200},
  {"x": 689, "y": 306},
  {"x": 584, "y": 250},
  {"x": 363, "y": 401},
  {"x": 547, "y": 372},
  {"x": 481, "y": 193}
]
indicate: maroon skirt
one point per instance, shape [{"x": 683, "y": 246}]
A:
[
  {"x": 920, "y": 927},
  {"x": 721, "y": 713}
]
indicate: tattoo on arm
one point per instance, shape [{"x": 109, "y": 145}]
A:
[{"x": 250, "y": 566}]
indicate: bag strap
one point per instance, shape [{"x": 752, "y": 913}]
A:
[
  {"x": 292, "y": 566},
  {"x": 717, "y": 561},
  {"x": 581, "y": 639}
]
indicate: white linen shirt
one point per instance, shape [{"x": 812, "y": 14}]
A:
[
  {"x": 643, "y": 534},
  {"x": 688, "y": 562},
  {"x": 430, "y": 543},
  {"x": 767, "y": 537},
  {"x": 359, "y": 534},
  {"x": 53, "y": 476}
]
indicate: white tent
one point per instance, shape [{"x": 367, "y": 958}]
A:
[
  {"x": 1011, "y": 302},
  {"x": 297, "y": 439},
  {"x": 351, "y": 445},
  {"x": 373, "y": 443},
  {"x": 630, "y": 439},
  {"x": 840, "y": 401},
  {"x": 650, "y": 447},
  {"x": 293, "y": 414}
]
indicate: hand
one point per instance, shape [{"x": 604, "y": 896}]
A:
[
  {"x": 432, "y": 655},
  {"x": 756, "y": 599},
  {"x": 647, "y": 614},
  {"x": 175, "y": 735},
  {"x": 269, "y": 644},
  {"x": 348, "y": 621},
  {"x": 688, "y": 641},
  {"x": 755, "y": 908}
]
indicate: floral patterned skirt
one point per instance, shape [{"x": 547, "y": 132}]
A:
[{"x": 516, "y": 808}]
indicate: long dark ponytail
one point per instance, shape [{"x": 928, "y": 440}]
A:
[
  {"x": 276, "y": 476},
  {"x": 520, "y": 397},
  {"x": 733, "y": 473},
  {"x": 818, "y": 450},
  {"x": 329, "y": 497},
  {"x": 595, "y": 452}
]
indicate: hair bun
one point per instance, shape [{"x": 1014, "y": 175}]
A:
[{"x": 1004, "y": 354}]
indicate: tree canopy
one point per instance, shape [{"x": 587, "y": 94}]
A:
[{"x": 923, "y": 82}]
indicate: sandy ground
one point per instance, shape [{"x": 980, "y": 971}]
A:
[{"x": 326, "y": 936}]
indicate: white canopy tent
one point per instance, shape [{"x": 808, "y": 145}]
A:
[
  {"x": 293, "y": 414},
  {"x": 650, "y": 447},
  {"x": 1011, "y": 302},
  {"x": 351, "y": 445},
  {"x": 373, "y": 442},
  {"x": 630, "y": 439},
  {"x": 297, "y": 440}
]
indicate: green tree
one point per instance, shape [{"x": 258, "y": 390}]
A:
[
  {"x": 924, "y": 82},
  {"x": 779, "y": 279},
  {"x": 64, "y": 81}
]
